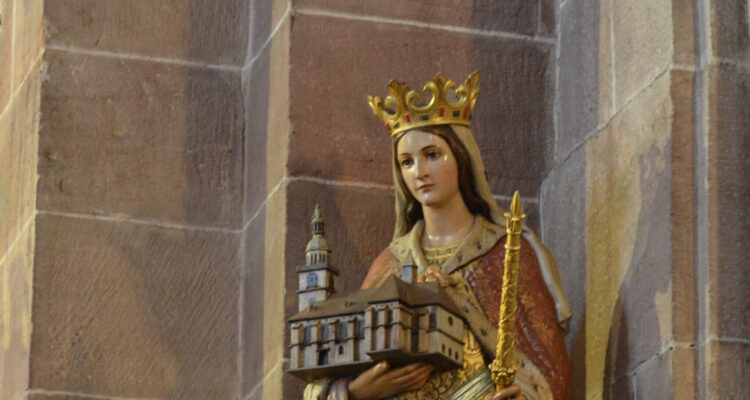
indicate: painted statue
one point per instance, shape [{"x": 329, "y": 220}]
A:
[{"x": 449, "y": 225}]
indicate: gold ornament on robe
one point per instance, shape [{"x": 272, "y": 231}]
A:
[{"x": 503, "y": 368}]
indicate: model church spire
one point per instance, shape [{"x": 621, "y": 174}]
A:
[{"x": 317, "y": 278}]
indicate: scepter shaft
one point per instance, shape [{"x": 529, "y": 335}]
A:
[{"x": 503, "y": 368}]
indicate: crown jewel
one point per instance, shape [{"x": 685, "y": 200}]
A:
[{"x": 404, "y": 109}]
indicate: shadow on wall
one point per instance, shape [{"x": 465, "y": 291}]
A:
[{"x": 641, "y": 324}]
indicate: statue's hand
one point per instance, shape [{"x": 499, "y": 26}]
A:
[
  {"x": 512, "y": 393},
  {"x": 379, "y": 382}
]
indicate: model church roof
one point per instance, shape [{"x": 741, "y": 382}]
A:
[{"x": 393, "y": 289}]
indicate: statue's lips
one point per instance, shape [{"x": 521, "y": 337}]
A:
[{"x": 426, "y": 186}]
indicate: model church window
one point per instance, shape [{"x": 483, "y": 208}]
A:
[
  {"x": 344, "y": 331},
  {"x": 433, "y": 320},
  {"x": 312, "y": 279},
  {"x": 325, "y": 332}
]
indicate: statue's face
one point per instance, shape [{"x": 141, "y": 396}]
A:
[{"x": 428, "y": 168}]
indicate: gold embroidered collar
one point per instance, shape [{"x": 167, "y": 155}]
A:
[{"x": 481, "y": 238}]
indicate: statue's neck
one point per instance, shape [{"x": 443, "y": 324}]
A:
[{"x": 448, "y": 224}]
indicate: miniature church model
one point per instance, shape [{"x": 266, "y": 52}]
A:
[{"x": 401, "y": 321}]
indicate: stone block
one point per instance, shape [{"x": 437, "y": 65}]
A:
[
  {"x": 627, "y": 237},
  {"x": 622, "y": 389},
  {"x": 126, "y": 309},
  {"x": 266, "y": 15},
  {"x": 253, "y": 278},
  {"x": 142, "y": 139},
  {"x": 214, "y": 32},
  {"x": 730, "y": 30},
  {"x": 267, "y": 129},
  {"x": 654, "y": 378},
  {"x": 684, "y": 377},
  {"x": 683, "y": 206},
  {"x": 729, "y": 367},
  {"x": 19, "y": 139},
  {"x": 643, "y": 45},
  {"x": 729, "y": 149},
  {"x": 683, "y": 19},
  {"x": 578, "y": 82},
  {"x": 29, "y": 37},
  {"x": 16, "y": 268},
  {"x": 6, "y": 46},
  {"x": 512, "y": 120},
  {"x": 517, "y": 16},
  {"x": 276, "y": 278},
  {"x": 606, "y": 70},
  {"x": 547, "y": 18}
]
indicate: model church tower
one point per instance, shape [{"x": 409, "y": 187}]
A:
[{"x": 317, "y": 278}]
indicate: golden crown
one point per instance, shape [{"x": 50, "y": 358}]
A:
[{"x": 449, "y": 104}]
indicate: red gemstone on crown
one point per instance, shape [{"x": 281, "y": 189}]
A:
[
  {"x": 442, "y": 111},
  {"x": 407, "y": 118}
]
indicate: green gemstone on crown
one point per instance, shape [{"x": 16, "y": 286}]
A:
[{"x": 456, "y": 113}]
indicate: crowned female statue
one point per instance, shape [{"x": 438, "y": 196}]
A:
[{"x": 449, "y": 225}]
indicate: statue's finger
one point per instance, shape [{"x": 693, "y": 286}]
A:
[{"x": 413, "y": 376}]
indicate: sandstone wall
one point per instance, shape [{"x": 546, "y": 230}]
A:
[
  {"x": 184, "y": 145},
  {"x": 21, "y": 47},
  {"x": 645, "y": 205},
  {"x": 141, "y": 219}
]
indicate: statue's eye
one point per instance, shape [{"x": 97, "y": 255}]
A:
[
  {"x": 432, "y": 154},
  {"x": 406, "y": 162}
]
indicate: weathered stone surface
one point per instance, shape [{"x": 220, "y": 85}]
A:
[
  {"x": 684, "y": 376},
  {"x": 683, "y": 20},
  {"x": 621, "y": 390},
  {"x": 516, "y": 16},
  {"x": 267, "y": 129},
  {"x": 730, "y": 30},
  {"x": 730, "y": 158},
  {"x": 512, "y": 121},
  {"x": 143, "y": 139},
  {"x": 6, "y": 62},
  {"x": 683, "y": 206},
  {"x": 28, "y": 36},
  {"x": 642, "y": 45},
  {"x": 627, "y": 237},
  {"x": 729, "y": 368},
  {"x": 254, "y": 301},
  {"x": 266, "y": 15},
  {"x": 563, "y": 210},
  {"x": 578, "y": 81},
  {"x": 131, "y": 310},
  {"x": 194, "y": 30},
  {"x": 654, "y": 378},
  {"x": 547, "y": 17},
  {"x": 275, "y": 280},
  {"x": 18, "y": 160},
  {"x": 606, "y": 70},
  {"x": 16, "y": 268}
]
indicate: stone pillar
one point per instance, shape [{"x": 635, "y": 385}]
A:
[
  {"x": 141, "y": 206},
  {"x": 21, "y": 48},
  {"x": 646, "y": 204}
]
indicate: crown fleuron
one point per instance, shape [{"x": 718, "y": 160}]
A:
[{"x": 404, "y": 109}]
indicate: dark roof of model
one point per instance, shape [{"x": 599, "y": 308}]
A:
[{"x": 393, "y": 289}]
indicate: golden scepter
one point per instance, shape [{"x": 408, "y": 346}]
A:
[{"x": 503, "y": 368}]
